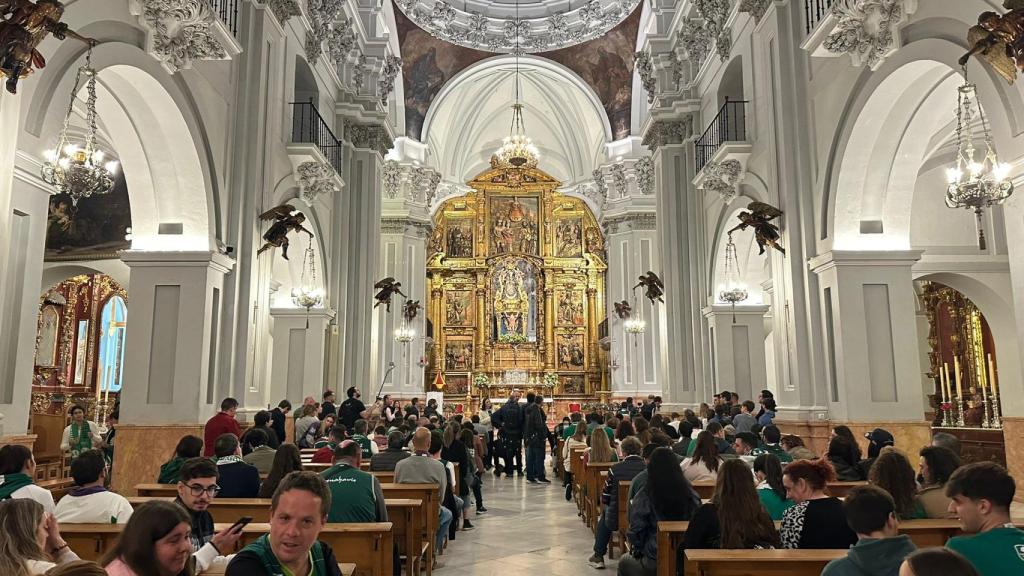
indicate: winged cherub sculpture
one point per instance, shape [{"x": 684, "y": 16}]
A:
[
  {"x": 759, "y": 218},
  {"x": 410, "y": 310},
  {"x": 623, "y": 310},
  {"x": 387, "y": 287},
  {"x": 999, "y": 40},
  {"x": 23, "y": 25},
  {"x": 654, "y": 288},
  {"x": 286, "y": 219}
]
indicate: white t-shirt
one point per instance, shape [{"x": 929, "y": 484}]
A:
[
  {"x": 96, "y": 508},
  {"x": 33, "y": 492}
]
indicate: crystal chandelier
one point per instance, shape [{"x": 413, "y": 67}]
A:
[
  {"x": 517, "y": 150},
  {"x": 307, "y": 294},
  {"x": 977, "y": 180},
  {"x": 404, "y": 334},
  {"x": 634, "y": 326},
  {"x": 77, "y": 169},
  {"x": 734, "y": 290}
]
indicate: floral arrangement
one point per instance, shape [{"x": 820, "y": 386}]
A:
[
  {"x": 481, "y": 381},
  {"x": 550, "y": 379},
  {"x": 512, "y": 339},
  {"x": 598, "y": 407}
]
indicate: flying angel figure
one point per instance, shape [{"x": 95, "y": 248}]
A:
[
  {"x": 654, "y": 288},
  {"x": 759, "y": 217},
  {"x": 999, "y": 40},
  {"x": 387, "y": 287},
  {"x": 410, "y": 309},
  {"x": 623, "y": 310},
  {"x": 286, "y": 219}
]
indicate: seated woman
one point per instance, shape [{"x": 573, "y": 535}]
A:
[
  {"x": 600, "y": 451},
  {"x": 892, "y": 472},
  {"x": 666, "y": 495},
  {"x": 770, "y": 489},
  {"x": 30, "y": 541},
  {"x": 734, "y": 518},
  {"x": 188, "y": 447},
  {"x": 703, "y": 465},
  {"x": 155, "y": 541},
  {"x": 578, "y": 439},
  {"x": 840, "y": 451},
  {"x": 287, "y": 459},
  {"x": 305, "y": 418},
  {"x": 817, "y": 520},
  {"x": 17, "y": 469},
  {"x": 318, "y": 434},
  {"x": 794, "y": 445},
  {"x": 937, "y": 465}
]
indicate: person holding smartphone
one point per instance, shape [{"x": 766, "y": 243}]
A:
[{"x": 196, "y": 489}]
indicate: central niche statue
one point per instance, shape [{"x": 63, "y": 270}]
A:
[{"x": 514, "y": 302}]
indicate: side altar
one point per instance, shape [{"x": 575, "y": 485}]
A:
[{"x": 516, "y": 290}]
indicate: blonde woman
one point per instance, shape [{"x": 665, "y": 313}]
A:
[
  {"x": 306, "y": 419},
  {"x": 30, "y": 541},
  {"x": 600, "y": 449}
]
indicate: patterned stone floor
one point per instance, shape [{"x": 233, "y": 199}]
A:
[{"x": 527, "y": 529}]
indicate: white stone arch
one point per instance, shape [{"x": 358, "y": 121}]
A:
[
  {"x": 149, "y": 119},
  {"x": 55, "y": 274}
]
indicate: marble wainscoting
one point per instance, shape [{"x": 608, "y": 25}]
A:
[
  {"x": 1013, "y": 435},
  {"x": 139, "y": 450},
  {"x": 910, "y": 436}
]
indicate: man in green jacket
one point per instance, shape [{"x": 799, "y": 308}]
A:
[
  {"x": 982, "y": 493},
  {"x": 880, "y": 548},
  {"x": 356, "y": 496}
]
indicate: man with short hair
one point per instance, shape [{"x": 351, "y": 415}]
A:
[
  {"x": 261, "y": 421},
  {"x": 325, "y": 454},
  {"x": 744, "y": 421},
  {"x": 260, "y": 455},
  {"x": 197, "y": 487},
  {"x": 368, "y": 447},
  {"x": 946, "y": 440},
  {"x": 237, "y": 479},
  {"x": 535, "y": 434},
  {"x": 760, "y": 401},
  {"x": 767, "y": 414},
  {"x": 510, "y": 419},
  {"x": 413, "y": 408},
  {"x": 631, "y": 465},
  {"x": 327, "y": 407},
  {"x": 352, "y": 409},
  {"x": 718, "y": 431},
  {"x": 385, "y": 460},
  {"x": 772, "y": 436},
  {"x": 880, "y": 548},
  {"x": 298, "y": 512},
  {"x": 420, "y": 468},
  {"x": 982, "y": 493},
  {"x": 682, "y": 447},
  {"x": 89, "y": 502},
  {"x": 278, "y": 416},
  {"x": 744, "y": 445},
  {"x": 356, "y": 496},
  {"x": 222, "y": 422}
]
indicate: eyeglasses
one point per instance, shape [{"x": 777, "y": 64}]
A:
[{"x": 198, "y": 489}]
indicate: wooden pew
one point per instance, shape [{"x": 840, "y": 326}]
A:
[
  {"x": 224, "y": 509},
  {"x": 759, "y": 562},
  {"x": 406, "y": 515},
  {"x": 592, "y": 499},
  {"x": 429, "y": 512},
  {"x": 841, "y": 489},
  {"x": 559, "y": 461},
  {"x": 346, "y": 570},
  {"x": 58, "y": 487},
  {"x": 619, "y": 538},
  {"x": 576, "y": 469},
  {"x": 385, "y": 477},
  {"x": 157, "y": 490}
]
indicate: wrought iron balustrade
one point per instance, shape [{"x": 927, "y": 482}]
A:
[
  {"x": 815, "y": 11},
  {"x": 227, "y": 11},
  {"x": 730, "y": 125},
  {"x": 309, "y": 126}
]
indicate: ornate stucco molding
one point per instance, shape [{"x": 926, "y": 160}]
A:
[
  {"x": 631, "y": 222},
  {"x": 645, "y": 68},
  {"x": 316, "y": 178},
  {"x": 756, "y": 8},
  {"x": 386, "y": 84},
  {"x": 368, "y": 137},
  {"x": 715, "y": 13},
  {"x": 322, "y": 16},
  {"x": 285, "y": 10},
  {"x": 392, "y": 175},
  {"x": 723, "y": 178},
  {"x": 599, "y": 191},
  {"x": 645, "y": 175},
  {"x": 412, "y": 226},
  {"x": 410, "y": 182},
  {"x": 666, "y": 132},
  {"x": 179, "y": 32},
  {"x": 695, "y": 41},
  {"x": 868, "y": 30},
  {"x": 619, "y": 181}
]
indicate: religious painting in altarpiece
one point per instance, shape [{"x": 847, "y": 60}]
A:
[{"x": 517, "y": 289}]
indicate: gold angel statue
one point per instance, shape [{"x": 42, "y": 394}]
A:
[{"x": 999, "y": 40}]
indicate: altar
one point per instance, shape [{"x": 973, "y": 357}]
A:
[{"x": 516, "y": 292}]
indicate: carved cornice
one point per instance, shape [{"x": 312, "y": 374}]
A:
[
  {"x": 756, "y": 8},
  {"x": 179, "y": 32},
  {"x": 284, "y": 10},
  {"x": 868, "y": 30},
  {"x": 322, "y": 16},
  {"x": 418, "y": 228},
  {"x": 368, "y": 137},
  {"x": 316, "y": 178},
  {"x": 631, "y": 222},
  {"x": 723, "y": 178},
  {"x": 410, "y": 182},
  {"x": 666, "y": 132},
  {"x": 386, "y": 84}
]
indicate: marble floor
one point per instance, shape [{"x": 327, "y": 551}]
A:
[{"x": 526, "y": 527}]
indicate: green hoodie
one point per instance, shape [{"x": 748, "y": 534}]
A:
[{"x": 872, "y": 557}]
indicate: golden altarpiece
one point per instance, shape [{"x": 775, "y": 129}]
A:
[{"x": 516, "y": 291}]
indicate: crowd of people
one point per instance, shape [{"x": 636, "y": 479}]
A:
[{"x": 770, "y": 489}]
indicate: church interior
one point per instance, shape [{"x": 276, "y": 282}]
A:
[{"x": 805, "y": 203}]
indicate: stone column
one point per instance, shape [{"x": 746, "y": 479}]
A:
[
  {"x": 481, "y": 324},
  {"x": 737, "y": 348},
  {"x": 14, "y": 399},
  {"x": 592, "y": 320},
  {"x": 300, "y": 342},
  {"x": 549, "y": 322},
  {"x": 870, "y": 341},
  {"x": 170, "y": 360}
]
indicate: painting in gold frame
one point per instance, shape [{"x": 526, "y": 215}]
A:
[
  {"x": 569, "y": 237},
  {"x": 458, "y": 355},
  {"x": 570, "y": 308},
  {"x": 458, "y": 308},
  {"x": 459, "y": 238}
]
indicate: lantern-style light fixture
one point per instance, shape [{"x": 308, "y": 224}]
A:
[{"x": 734, "y": 290}]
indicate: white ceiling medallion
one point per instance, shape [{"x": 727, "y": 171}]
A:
[{"x": 492, "y": 25}]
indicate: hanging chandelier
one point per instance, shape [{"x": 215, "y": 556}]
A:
[
  {"x": 517, "y": 149},
  {"x": 978, "y": 180},
  {"x": 74, "y": 167},
  {"x": 734, "y": 290},
  {"x": 307, "y": 294},
  {"x": 404, "y": 334}
]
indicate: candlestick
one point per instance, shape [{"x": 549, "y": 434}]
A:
[
  {"x": 956, "y": 375},
  {"x": 960, "y": 412},
  {"x": 996, "y": 421},
  {"x": 992, "y": 376}
]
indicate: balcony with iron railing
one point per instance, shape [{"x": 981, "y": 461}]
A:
[
  {"x": 815, "y": 11},
  {"x": 308, "y": 126},
  {"x": 730, "y": 125},
  {"x": 227, "y": 11}
]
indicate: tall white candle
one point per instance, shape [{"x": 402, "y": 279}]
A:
[
  {"x": 956, "y": 374},
  {"x": 992, "y": 376}
]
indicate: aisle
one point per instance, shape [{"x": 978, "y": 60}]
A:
[{"x": 527, "y": 529}]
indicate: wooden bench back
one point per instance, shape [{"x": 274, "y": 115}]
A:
[{"x": 760, "y": 562}]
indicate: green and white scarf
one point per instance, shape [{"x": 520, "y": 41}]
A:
[
  {"x": 261, "y": 547},
  {"x": 229, "y": 459},
  {"x": 9, "y": 483},
  {"x": 80, "y": 438}
]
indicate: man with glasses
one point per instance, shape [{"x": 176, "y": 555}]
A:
[{"x": 196, "y": 489}]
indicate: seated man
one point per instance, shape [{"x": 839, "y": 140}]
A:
[
  {"x": 386, "y": 460},
  {"x": 298, "y": 512},
  {"x": 772, "y": 436},
  {"x": 325, "y": 454},
  {"x": 263, "y": 420},
  {"x": 420, "y": 468},
  {"x": 359, "y": 436},
  {"x": 89, "y": 502},
  {"x": 880, "y": 548},
  {"x": 744, "y": 445},
  {"x": 237, "y": 479},
  {"x": 197, "y": 486},
  {"x": 982, "y": 493},
  {"x": 356, "y": 496},
  {"x": 631, "y": 465},
  {"x": 745, "y": 420},
  {"x": 17, "y": 468},
  {"x": 260, "y": 454}
]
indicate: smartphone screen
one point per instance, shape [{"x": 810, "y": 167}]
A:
[{"x": 237, "y": 526}]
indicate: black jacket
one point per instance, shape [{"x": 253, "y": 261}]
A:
[
  {"x": 625, "y": 470},
  {"x": 247, "y": 563},
  {"x": 456, "y": 453},
  {"x": 277, "y": 419},
  {"x": 846, "y": 472},
  {"x": 386, "y": 459},
  {"x": 535, "y": 426},
  {"x": 238, "y": 480},
  {"x": 510, "y": 418}
]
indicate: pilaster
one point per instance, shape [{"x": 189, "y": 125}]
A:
[
  {"x": 300, "y": 342},
  {"x": 737, "y": 348},
  {"x": 14, "y": 400}
]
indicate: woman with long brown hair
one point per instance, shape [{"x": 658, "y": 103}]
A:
[
  {"x": 155, "y": 542},
  {"x": 288, "y": 459},
  {"x": 735, "y": 517},
  {"x": 30, "y": 541},
  {"x": 893, "y": 473},
  {"x": 703, "y": 465}
]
